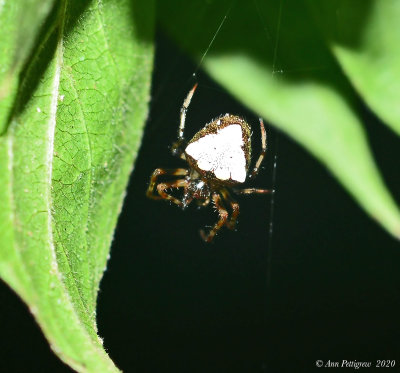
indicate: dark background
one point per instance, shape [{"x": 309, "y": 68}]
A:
[{"x": 324, "y": 285}]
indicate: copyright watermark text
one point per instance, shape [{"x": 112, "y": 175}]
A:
[{"x": 355, "y": 364}]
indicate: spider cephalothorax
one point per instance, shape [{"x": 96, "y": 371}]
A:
[{"x": 218, "y": 157}]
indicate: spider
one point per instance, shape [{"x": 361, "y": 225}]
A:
[{"x": 218, "y": 158}]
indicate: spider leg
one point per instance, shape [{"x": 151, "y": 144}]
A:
[
  {"x": 223, "y": 217},
  {"x": 184, "y": 109},
  {"x": 253, "y": 191},
  {"x": 231, "y": 224},
  {"x": 177, "y": 146},
  {"x": 179, "y": 183},
  {"x": 256, "y": 168},
  {"x": 204, "y": 203},
  {"x": 158, "y": 172}
]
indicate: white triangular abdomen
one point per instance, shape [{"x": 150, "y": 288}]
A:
[{"x": 221, "y": 153}]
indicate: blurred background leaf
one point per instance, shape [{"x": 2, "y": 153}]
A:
[
  {"x": 273, "y": 58},
  {"x": 371, "y": 59}
]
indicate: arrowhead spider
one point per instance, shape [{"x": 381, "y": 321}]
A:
[{"x": 218, "y": 158}]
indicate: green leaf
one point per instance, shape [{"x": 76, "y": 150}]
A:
[
  {"x": 371, "y": 58},
  {"x": 20, "y": 25},
  {"x": 74, "y": 130},
  {"x": 272, "y": 58}
]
